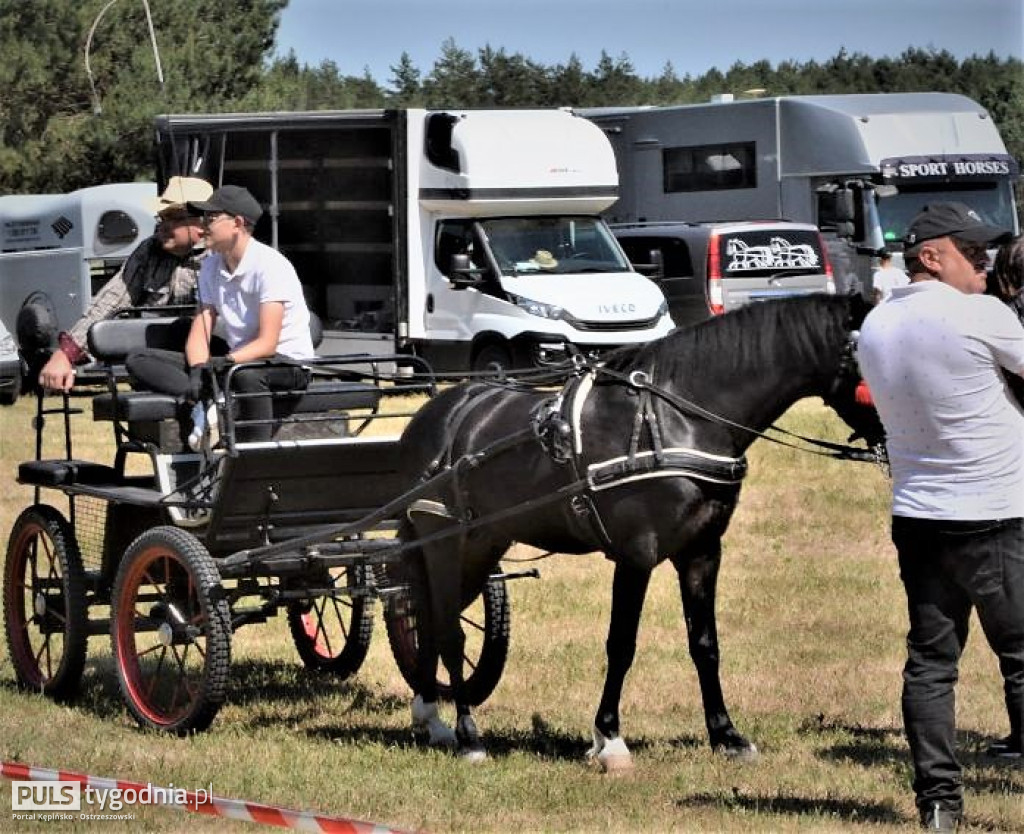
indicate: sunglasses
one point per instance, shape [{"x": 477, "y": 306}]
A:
[{"x": 976, "y": 254}]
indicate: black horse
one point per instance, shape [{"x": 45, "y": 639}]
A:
[{"x": 641, "y": 458}]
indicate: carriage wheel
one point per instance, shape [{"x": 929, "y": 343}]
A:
[
  {"x": 486, "y": 626},
  {"x": 45, "y": 613},
  {"x": 171, "y": 632},
  {"x": 332, "y": 633}
]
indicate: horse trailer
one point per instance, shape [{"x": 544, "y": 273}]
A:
[
  {"x": 857, "y": 166},
  {"x": 55, "y": 251}
]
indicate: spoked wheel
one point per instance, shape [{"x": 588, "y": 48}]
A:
[
  {"x": 332, "y": 633},
  {"x": 171, "y": 632},
  {"x": 486, "y": 626},
  {"x": 45, "y": 613}
]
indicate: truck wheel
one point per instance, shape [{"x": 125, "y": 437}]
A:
[
  {"x": 171, "y": 632},
  {"x": 45, "y": 612},
  {"x": 494, "y": 358},
  {"x": 486, "y": 624},
  {"x": 332, "y": 633}
]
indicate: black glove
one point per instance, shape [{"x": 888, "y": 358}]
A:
[{"x": 220, "y": 364}]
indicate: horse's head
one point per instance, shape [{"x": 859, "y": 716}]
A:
[{"x": 848, "y": 395}]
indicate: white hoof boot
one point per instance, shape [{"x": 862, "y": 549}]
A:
[
  {"x": 426, "y": 719},
  {"x": 611, "y": 754}
]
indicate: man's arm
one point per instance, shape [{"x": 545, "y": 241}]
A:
[{"x": 197, "y": 346}]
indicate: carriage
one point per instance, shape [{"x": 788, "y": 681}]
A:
[
  {"x": 169, "y": 550},
  {"x": 640, "y": 456}
]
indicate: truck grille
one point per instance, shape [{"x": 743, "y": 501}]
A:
[{"x": 608, "y": 326}]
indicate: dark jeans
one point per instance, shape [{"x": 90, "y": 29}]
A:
[
  {"x": 948, "y": 568},
  {"x": 167, "y": 371}
]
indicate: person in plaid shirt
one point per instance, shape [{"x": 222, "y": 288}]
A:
[{"x": 162, "y": 271}]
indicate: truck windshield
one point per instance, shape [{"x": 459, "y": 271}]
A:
[
  {"x": 552, "y": 245},
  {"x": 993, "y": 202}
]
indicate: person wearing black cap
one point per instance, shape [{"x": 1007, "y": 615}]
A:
[
  {"x": 933, "y": 357},
  {"x": 254, "y": 290}
]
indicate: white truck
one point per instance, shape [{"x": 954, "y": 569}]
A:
[
  {"x": 471, "y": 238},
  {"x": 857, "y": 166},
  {"x": 55, "y": 251}
]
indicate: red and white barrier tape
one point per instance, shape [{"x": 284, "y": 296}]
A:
[{"x": 214, "y": 806}]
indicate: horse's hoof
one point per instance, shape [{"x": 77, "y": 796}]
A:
[
  {"x": 425, "y": 720},
  {"x": 615, "y": 764},
  {"x": 473, "y": 754},
  {"x": 610, "y": 754},
  {"x": 739, "y": 752}
]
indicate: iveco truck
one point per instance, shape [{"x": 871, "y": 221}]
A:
[
  {"x": 472, "y": 238},
  {"x": 857, "y": 166},
  {"x": 56, "y": 250}
]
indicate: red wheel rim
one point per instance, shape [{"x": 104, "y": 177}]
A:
[
  {"x": 38, "y": 610},
  {"x": 161, "y": 637}
]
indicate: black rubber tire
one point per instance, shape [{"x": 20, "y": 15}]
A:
[
  {"x": 493, "y": 358},
  {"x": 486, "y": 623},
  {"x": 45, "y": 612},
  {"x": 332, "y": 634},
  {"x": 168, "y": 601}
]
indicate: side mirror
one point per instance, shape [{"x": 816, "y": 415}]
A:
[
  {"x": 845, "y": 206},
  {"x": 655, "y": 267},
  {"x": 462, "y": 273}
]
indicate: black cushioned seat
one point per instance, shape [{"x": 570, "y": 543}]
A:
[
  {"x": 56, "y": 473},
  {"x": 146, "y": 406}
]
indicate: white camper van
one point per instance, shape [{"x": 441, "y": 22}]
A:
[
  {"x": 471, "y": 238},
  {"x": 55, "y": 251}
]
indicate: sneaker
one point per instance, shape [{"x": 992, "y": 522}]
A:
[
  {"x": 1005, "y": 749},
  {"x": 940, "y": 818},
  {"x": 212, "y": 425},
  {"x": 195, "y": 438}
]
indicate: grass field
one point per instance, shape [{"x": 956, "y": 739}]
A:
[{"x": 811, "y": 621}]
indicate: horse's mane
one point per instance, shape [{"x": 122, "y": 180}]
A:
[{"x": 801, "y": 328}]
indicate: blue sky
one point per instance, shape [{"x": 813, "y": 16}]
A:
[{"x": 695, "y": 35}]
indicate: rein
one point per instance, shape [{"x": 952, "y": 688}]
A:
[{"x": 640, "y": 381}]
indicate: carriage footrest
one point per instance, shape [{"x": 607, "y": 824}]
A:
[{"x": 58, "y": 473}]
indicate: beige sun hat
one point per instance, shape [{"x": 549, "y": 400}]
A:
[
  {"x": 544, "y": 259},
  {"x": 182, "y": 190}
]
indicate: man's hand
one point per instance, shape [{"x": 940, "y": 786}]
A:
[{"x": 57, "y": 374}]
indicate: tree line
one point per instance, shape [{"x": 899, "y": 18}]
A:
[{"x": 62, "y": 127}]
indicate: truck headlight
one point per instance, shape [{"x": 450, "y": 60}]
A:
[{"x": 539, "y": 308}]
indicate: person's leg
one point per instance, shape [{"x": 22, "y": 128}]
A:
[
  {"x": 160, "y": 370},
  {"x": 939, "y": 613},
  {"x": 993, "y": 574},
  {"x": 260, "y": 409}
]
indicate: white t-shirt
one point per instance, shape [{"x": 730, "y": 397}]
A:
[
  {"x": 263, "y": 274},
  {"x": 932, "y": 357},
  {"x": 888, "y": 278}
]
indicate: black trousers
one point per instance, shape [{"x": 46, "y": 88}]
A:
[
  {"x": 948, "y": 568},
  {"x": 167, "y": 371}
]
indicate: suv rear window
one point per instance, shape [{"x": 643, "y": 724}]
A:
[{"x": 758, "y": 253}]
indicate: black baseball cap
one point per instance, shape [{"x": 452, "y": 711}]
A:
[
  {"x": 231, "y": 199},
  {"x": 952, "y": 219}
]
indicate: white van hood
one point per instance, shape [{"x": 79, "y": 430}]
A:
[{"x": 596, "y": 297}]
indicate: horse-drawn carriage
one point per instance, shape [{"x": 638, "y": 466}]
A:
[
  {"x": 152, "y": 559},
  {"x": 640, "y": 456}
]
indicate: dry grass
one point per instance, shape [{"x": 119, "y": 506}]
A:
[{"x": 811, "y": 625}]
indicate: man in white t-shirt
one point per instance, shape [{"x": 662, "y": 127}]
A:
[
  {"x": 933, "y": 356},
  {"x": 886, "y": 278},
  {"x": 254, "y": 290}
]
